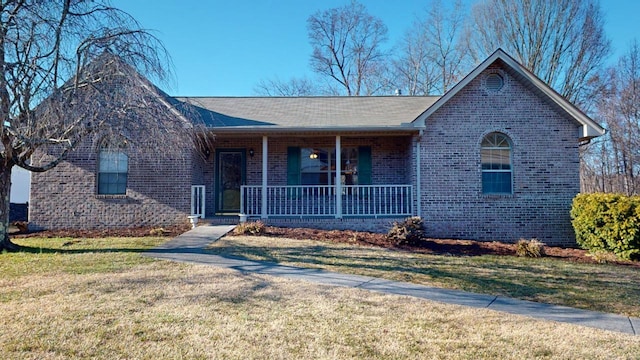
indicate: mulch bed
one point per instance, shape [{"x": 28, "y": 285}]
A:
[
  {"x": 431, "y": 246},
  {"x": 449, "y": 247},
  {"x": 131, "y": 232}
]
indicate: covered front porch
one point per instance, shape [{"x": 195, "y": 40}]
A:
[{"x": 309, "y": 176}]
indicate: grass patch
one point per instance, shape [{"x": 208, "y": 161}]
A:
[
  {"x": 128, "y": 306},
  {"x": 600, "y": 287},
  {"x": 75, "y": 255}
]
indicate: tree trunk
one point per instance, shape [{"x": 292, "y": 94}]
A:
[{"x": 5, "y": 192}]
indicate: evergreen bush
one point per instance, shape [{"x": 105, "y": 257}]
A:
[{"x": 608, "y": 222}]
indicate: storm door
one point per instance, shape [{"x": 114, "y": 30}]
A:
[{"x": 230, "y": 176}]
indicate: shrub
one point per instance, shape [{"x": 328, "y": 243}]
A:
[
  {"x": 250, "y": 228},
  {"x": 158, "y": 232},
  {"x": 602, "y": 256},
  {"x": 22, "y": 226},
  {"x": 408, "y": 232},
  {"x": 530, "y": 248},
  {"x": 608, "y": 222}
]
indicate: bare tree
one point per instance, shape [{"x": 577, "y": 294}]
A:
[
  {"x": 618, "y": 156},
  {"x": 445, "y": 28},
  {"x": 412, "y": 70},
  {"x": 294, "y": 87},
  {"x": 69, "y": 69},
  {"x": 434, "y": 55},
  {"x": 347, "y": 47},
  {"x": 562, "y": 41}
]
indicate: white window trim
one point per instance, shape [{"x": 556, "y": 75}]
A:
[{"x": 511, "y": 178}]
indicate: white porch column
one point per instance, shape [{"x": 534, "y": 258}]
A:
[
  {"x": 338, "y": 178},
  {"x": 418, "y": 210},
  {"x": 265, "y": 156}
]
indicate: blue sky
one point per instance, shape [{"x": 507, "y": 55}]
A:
[{"x": 224, "y": 48}]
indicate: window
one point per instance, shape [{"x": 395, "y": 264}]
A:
[
  {"x": 316, "y": 166},
  {"x": 112, "y": 172},
  {"x": 349, "y": 159},
  {"x": 496, "y": 164}
]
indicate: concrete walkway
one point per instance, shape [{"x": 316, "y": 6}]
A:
[{"x": 189, "y": 247}]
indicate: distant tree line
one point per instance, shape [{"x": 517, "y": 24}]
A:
[
  {"x": 563, "y": 42},
  {"x": 612, "y": 162}
]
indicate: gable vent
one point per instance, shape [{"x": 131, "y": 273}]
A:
[{"x": 494, "y": 82}]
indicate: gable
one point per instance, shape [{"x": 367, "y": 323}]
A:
[
  {"x": 500, "y": 60},
  {"x": 514, "y": 109}
]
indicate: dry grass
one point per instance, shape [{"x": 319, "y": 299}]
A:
[
  {"x": 600, "y": 287},
  {"x": 146, "y": 309}
]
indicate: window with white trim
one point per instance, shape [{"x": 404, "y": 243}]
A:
[
  {"x": 317, "y": 166},
  {"x": 495, "y": 151},
  {"x": 113, "y": 167}
]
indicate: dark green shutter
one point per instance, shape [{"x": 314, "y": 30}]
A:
[
  {"x": 293, "y": 165},
  {"x": 364, "y": 165},
  {"x": 293, "y": 170}
]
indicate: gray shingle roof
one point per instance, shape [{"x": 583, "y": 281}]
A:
[{"x": 310, "y": 112}]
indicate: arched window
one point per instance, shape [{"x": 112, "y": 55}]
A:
[
  {"x": 495, "y": 152},
  {"x": 113, "y": 167}
]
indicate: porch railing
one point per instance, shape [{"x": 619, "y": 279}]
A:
[
  {"x": 198, "y": 200},
  {"x": 320, "y": 200}
]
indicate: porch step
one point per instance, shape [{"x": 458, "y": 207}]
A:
[{"x": 221, "y": 220}]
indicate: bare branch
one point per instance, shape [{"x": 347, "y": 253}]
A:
[
  {"x": 433, "y": 55},
  {"x": 347, "y": 47},
  {"x": 70, "y": 73},
  {"x": 613, "y": 164},
  {"x": 293, "y": 87},
  {"x": 561, "y": 41}
]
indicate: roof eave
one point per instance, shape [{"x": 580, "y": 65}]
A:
[
  {"x": 314, "y": 129},
  {"x": 588, "y": 132}
]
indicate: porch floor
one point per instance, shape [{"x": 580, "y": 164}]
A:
[{"x": 221, "y": 220}]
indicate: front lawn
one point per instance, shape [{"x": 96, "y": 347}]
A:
[
  {"x": 601, "y": 287},
  {"x": 100, "y": 299}
]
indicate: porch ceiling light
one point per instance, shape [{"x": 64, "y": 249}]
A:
[{"x": 313, "y": 155}]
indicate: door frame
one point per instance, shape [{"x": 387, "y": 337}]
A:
[{"x": 217, "y": 177}]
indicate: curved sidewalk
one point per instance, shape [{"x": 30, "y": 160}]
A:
[{"x": 189, "y": 247}]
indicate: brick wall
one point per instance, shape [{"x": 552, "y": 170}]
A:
[
  {"x": 158, "y": 193},
  {"x": 545, "y": 167},
  {"x": 379, "y": 225}
]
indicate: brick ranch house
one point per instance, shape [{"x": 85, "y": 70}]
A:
[{"x": 495, "y": 158}]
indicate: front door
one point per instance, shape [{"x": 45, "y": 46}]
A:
[{"x": 230, "y": 176}]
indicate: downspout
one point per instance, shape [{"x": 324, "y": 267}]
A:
[{"x": 418, "y": 210}]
